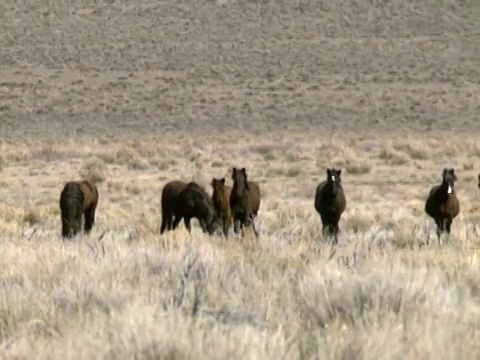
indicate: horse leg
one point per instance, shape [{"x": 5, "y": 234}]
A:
[
  {"x": 336, "y": 231},
  {"x": 448, "y": 226},
  {"x": 89, "y": 219},
  {"x": 67, "y": 233},
  {"x": 203, "y": 225},
  {"x": 325, "y": 227},
  {"x": 166, "y": 222},
  {"x": 236, "y": 224},
  {"x": 186, "y": 220},
  {"x": 173, "y": 223},
  {"x": 444, "y": 225},
  {"x": 242, "y": 228},
  {"x": 253, "y": 226},
  {"x": 176, "y": 221},
  {"x": 331, "y": 233},
  {"x": 225, "y": 227},
  {"x": 439, "y": 228},
  {"x": 325, "y": 231}
]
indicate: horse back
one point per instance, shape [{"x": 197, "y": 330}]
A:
[
  {"x": 90, "y": 194},
  {"x": 71, "y": 192},
  {"x": 254, "y": 196},
  {"x": 194, "y": 198},
  {"x": 222, "y": 205},
  {"x": 195, "y": 191},
  {"x": 170, "y": 193}
]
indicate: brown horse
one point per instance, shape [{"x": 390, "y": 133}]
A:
[
  {"x": 244, "y": 201},
  {"x": 330, "y": 203},
  {"x": 478, "y": 182},
  {"x": 78, "y": 198},
  {"x": 221, "y": 202},
  {"x": 442, "y": 203},
  {"x": 187, "y": 201}
]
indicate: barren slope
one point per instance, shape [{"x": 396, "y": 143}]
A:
[{"x": 124, "y": 67}]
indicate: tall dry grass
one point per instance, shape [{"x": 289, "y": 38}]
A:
[{"x": 127, "y": 292}]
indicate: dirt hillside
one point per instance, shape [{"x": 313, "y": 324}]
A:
[{"x": 129, "y": 67}]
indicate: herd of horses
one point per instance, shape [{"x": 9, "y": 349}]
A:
[{"x": 238, "y": 205}]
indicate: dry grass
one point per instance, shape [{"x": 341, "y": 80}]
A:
[
  {"x": 132, "y": 293},
  {"x": 133, "y": 94}
]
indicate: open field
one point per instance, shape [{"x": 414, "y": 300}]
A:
[
  {"x": 133, "y": 94},
  {"x": 129, "y": 67},
  {"x": 378, "y": 296}
]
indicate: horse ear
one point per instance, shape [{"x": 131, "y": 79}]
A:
[
  {"x": 452, "y": 172},
  {"x": 234, "y": 171},
  {"x": 212, "y": 182},
  {"x": 243, "y": 170},
  {"x": 222, "y": 180},
  {"x": 246, "y": 179}
]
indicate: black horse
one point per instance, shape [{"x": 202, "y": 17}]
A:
[
  {"x": 77, "y": 199},
  {"x": 330, "y": 203},
  {"x": 185, "y": 201}
]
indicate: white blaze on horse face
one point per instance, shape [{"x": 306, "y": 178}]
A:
[
  {"x": 333, "y": 178},
  {"x": 449, "y": 189}
]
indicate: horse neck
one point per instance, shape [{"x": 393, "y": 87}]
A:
[
  {"x": 234, "y": 191},
  {"x": 330, "y": 192},
  {"x": 218, "y": 198},
  {"x": 444, "y": 189}
]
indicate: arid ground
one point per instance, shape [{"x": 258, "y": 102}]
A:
[{"x": 132, "y": 94}]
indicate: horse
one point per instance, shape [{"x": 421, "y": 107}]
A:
[
  {"x": 442, "y": 203},
  {"x": 244, "y": 201},
  {"x": 77, "y": 199},
  {"x": 221, "y": 202},
  {"x": 187, "y": 200},
  {"x": 330, "y": 203}
]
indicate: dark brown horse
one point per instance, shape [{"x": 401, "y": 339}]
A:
[
  {"x": 187, "y": 201},
  {"x": 442, "y": 203},
  {"x": 221, "y": 202},
  {"x": 330, "y": 203},
  {"x": 244, "y": 201},
  {"x": 78, "y": 198}
]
